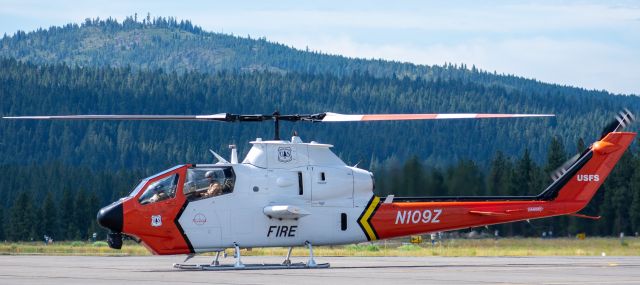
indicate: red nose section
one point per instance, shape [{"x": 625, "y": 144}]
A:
[{"x": 156, "y": 224}]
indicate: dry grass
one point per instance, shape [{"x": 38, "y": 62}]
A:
[
  {"x": 452, "y": 247},
  {"x": 478, "y": 247}
]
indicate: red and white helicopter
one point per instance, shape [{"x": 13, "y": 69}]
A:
[{"x": 288, "y": 193}]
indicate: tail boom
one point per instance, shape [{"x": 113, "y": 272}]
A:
[{"x": 568, "y": 195}]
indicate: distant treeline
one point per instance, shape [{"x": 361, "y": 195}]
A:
[
  {"x": 62, "y": 202},
  {"x": 56, "y": 200}
]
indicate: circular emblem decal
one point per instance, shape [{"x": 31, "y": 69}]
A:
[{"x": 199, "y": 219}]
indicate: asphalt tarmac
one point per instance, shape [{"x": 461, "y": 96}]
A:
[{"x": 343, "y": 270}]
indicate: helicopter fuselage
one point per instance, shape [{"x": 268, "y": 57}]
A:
[
  {"x": 283, "y": 194},
  {"x": 290, "y": 193}
]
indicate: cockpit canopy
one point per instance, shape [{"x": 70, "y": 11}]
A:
[{"x": 205, "y": 181}]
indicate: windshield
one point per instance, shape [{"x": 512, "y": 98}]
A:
[
  {"x": 160, "y": 190},
  {"x": 139, "y": 187},
  {"x": 144, "y": 181}
]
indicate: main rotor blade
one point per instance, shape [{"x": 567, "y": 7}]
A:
[
  {"x": 321, "y": 117},
  {"x": 334, "y": 117},
  {"x": 214, "y": 117}
]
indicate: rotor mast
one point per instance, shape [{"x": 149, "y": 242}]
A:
[{"x": 276, "y": 119}]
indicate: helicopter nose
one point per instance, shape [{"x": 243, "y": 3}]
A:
[{"x": 110, "y": 217}]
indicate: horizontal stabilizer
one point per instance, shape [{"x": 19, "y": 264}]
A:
[{"x": 586, "y": 216}]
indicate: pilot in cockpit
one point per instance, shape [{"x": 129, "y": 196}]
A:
[
  {"x": 215, "y": 188},
  {"x": 159, "y": 194}
]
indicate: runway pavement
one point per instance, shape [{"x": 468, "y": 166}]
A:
[{"x": 344, "y": 270}]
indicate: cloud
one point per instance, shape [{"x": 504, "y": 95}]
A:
[{"x": 523, "y": 16}]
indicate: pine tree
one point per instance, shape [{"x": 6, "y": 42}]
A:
[
  {"x": 19, "y": 226},
  {"x": 621, "y": 194},
  {"x": 620, "y": 205},
  {"x": 465, "y": 179},
  {"x": 80, "y": 216},
  {"x": 523, "y": 176},
  {"x": 93, "y": 206},
  {"x": 499, "y": 175},
  {"x": 50, "y": 225},
  {"x": 556, "y": 156},
  {"x": 580, "y": 146},
  {"x": 35, "y": 230},
  {"x": 2, "y": 224},
  {"x": 435, "y": 183},
  {"x": 634, "y": 208},
  {"x": 67, "y": 226},
  {"x": 522, "y": 183},
  {"x": 412, "y": 181}
]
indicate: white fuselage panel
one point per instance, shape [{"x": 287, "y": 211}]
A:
[{"x": 286, "y": 179}]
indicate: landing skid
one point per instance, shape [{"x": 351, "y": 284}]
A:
[
  {"x": 224, "y": 267},
  {"x": 287, "y": 264}
]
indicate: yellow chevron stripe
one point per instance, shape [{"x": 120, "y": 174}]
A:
[{"x": 364, "y": 219}]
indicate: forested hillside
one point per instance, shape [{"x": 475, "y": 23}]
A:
[
  {"x": 162, "y": 66},
  {"x": 56, "y": 89}
]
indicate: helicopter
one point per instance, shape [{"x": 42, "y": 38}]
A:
[{"x": 288, "y": 193}]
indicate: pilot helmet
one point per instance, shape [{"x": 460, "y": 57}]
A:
[{"x": 210, "y": 174}]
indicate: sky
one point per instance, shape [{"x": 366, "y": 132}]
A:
[{"x": 588, "y": 44}]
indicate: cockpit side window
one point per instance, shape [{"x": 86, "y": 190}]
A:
[
  {"x": 207, "y": 182},
  {"x": 160, "y": 190}
]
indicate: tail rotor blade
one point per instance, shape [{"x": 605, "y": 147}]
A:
[
  {"x": 622, "y": 120},
  {"x": 558, "y": 172}
]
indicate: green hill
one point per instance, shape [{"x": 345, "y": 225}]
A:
[{"x": 31, "y": 89}]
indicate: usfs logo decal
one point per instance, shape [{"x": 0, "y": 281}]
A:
[
  {"x": 156, "y": 221},
  {"x": 285, "y": 154},
  {"x": 588, "y": 177}
]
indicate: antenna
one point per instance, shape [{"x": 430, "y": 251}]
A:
[
  {"x": 217, "y": 156},
  {"x": 234, "y": 153}
]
